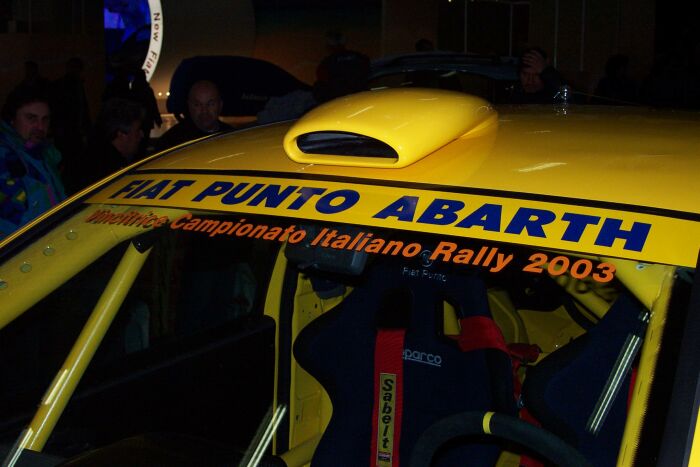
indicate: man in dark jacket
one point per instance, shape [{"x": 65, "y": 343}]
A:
[
  {"x": 204, "y": 106},
  {"x": 70, "y": 117},
  {"x": 113, "y": 145}
]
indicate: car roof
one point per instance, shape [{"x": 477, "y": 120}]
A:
[
  {"x": 599, "y": 179},
  {"x": 631, "y": 156}
]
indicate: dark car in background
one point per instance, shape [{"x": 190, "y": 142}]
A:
[
  {"x": 245, "y": 83},
  {"x": 489, "y": 77}
]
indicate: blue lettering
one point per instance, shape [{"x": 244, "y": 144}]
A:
[
  {"x": 272, "y": 196},
  {"x": 403, "y": 209},
  {"x": 215, "y": 189},
  {"x": 131, "y": 187},
  {"x": 154, "y": 191},
  {"x": 305, "y": 194},
  {"x": 635, "y": 237},
  {"x": 349, "y": 198},
  {"x": 233, "y": 196},
  {"x": 577, "y": 224},
  {"x": 487, "y": 216},
  {"x": 531, "y": 220},
  {"x": 441, "y": 212},
  {"x": 177, "y": 186}
]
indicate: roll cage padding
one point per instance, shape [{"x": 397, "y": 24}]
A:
[{"x": 499, "y": 425}]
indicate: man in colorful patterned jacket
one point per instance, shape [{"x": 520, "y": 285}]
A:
[{"x": 29, "y": 179}]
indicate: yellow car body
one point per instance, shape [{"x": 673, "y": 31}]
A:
[{"x": 584, "y": 195}]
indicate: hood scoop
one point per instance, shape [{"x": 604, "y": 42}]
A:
[{"x": 389, "y": 128}]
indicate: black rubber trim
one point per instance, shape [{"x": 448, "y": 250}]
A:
[
  {"x": 146, "y": 240},
  {"x": 434, "y": 187},
  {"x": 685, "y": 399},
  {"x": 575, "y": 314},
  {"x": 501, "y": 426}
]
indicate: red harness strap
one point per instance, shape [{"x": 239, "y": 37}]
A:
[
  {"x": 388, "y": 397},
  {"x": 524, "y": 354},
  {"x": 480, "y": 332}
]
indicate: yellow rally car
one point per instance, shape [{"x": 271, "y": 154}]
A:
[{"x": 401, "y": 277}]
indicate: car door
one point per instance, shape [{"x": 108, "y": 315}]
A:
[{"x": 189, "y": 350}]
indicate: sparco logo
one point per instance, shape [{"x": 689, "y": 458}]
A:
[{"x": 422, "y": 357}]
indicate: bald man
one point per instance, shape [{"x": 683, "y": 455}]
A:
[{"x": 204, "y": 106}]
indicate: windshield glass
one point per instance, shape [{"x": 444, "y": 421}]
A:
[
  {"x": 232, "y": 314},
  {"x": 497, "y": 90}
]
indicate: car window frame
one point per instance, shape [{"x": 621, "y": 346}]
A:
[{"x": 681, "y": 439}]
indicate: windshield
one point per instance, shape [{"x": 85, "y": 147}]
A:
[
  {"x": 487, "y": 84},
  {"x": 228, "y": 315}
]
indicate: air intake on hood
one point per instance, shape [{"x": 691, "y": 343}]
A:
[
  {"x": 344, "y": 144},
  {"x": 389, "y": 128}
]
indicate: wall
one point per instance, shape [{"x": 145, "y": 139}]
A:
[
  {"x": 291, "y": 34},
  {"x": 294, "y": 36},
  {"x": 587, "y": 32},
  {"x": 52, "y": 50},
  {"x": 579, "y": 39},
  {"x": 212, "y": 27},
  {"x": 406, "y": 21}
]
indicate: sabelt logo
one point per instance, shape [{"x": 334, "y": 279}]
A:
[
  {"x": 386, "y": 419},
  {"x": 422, "y": 357}
]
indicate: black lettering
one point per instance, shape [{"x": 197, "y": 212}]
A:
[{"x": 388, "y": 385}]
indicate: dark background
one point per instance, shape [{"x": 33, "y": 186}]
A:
[{"x": 579, "y": 35}]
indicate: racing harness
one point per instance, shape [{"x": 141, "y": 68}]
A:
[{"x": 400, "y": 373}]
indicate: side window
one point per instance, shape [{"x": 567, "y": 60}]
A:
[
  {"x": 191, "y": 284},
  {"x": 35, "y": 344}
]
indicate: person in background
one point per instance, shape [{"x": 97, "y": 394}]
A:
[
  {"x": 343, "y": 72},
  {"x": 346, "y": 73},
  {"x": 424, "y": 45},
  {"x": 335, "y": 41},
  {"x": 204, "y": 105},
  {"x": 616, "y": 87},
  {"x": 114, "y": 143},
  {"x": 142, "y": 93},
  {"x": 33, "y": 81},
  {"x": 29, "y": 180},
  {"x": 539, "y": 81},
  {"x": 670, "y": 82},
  {"x": 131, "y": 84},
  {"x": 70, "y": 120}
]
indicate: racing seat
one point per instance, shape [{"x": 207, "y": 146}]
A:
[
  {"x": 391, "y": 372},
  {"x": 581, "y": 390}
]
